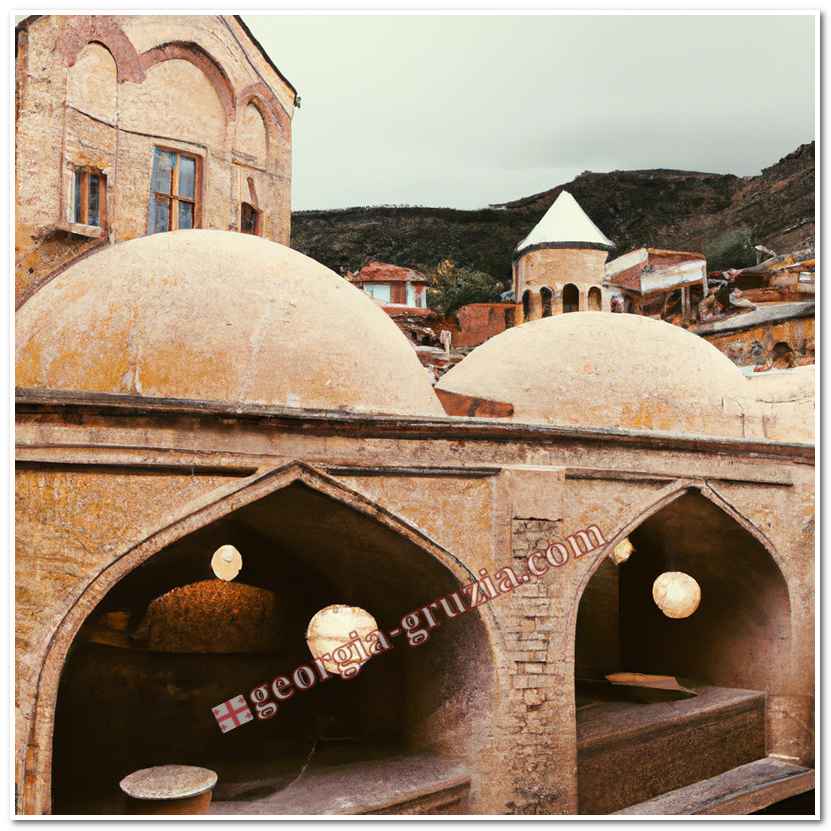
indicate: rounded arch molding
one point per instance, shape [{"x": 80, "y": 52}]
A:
[
  {"x": 272, "y": 111},
  {"x": 36, "y": 795},
  {"x": 103, "y": 30},
  {"x": 207, "y": 64}
]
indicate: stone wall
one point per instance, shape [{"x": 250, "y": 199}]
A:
[
  {"x": 101, "y": 92},
  {"x": 755, "y": 345},
  {"x": 95, "y": 490},
  {"x": 545, "y": 266}
]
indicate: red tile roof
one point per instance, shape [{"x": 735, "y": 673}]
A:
[{"x": 375, "y": 272}]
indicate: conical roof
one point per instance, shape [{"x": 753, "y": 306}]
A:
[{"x": 566, "y": 223}]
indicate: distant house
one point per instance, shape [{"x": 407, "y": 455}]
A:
[
  {"x": 659, "y": 283},
  {"x": 392, "y": 285}
]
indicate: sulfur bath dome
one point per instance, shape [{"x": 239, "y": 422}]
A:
[
  {"x": 218, "y": 316},
  {"x": 608, "y": 371}
]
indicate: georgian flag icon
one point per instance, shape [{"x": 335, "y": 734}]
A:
[{"x": 232, "y": 713}]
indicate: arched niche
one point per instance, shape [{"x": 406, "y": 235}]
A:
[
  {"x": 178, "y": 94},
  {"x": 571, "y": 298},
  {"x": 311, "y": 542},
  {"x": 740, "y": 635},
  {"x": 252, "y": 135},
  {"x": 547, "y": 298},
  {"x": 526, "y": 305},
  {"x": 595, "y": 299},
  {"x": 92, "y": 83},
  {"x": 734, "y": 651}
]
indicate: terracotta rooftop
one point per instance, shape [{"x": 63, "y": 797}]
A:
[{"x": 376, "y": 272}]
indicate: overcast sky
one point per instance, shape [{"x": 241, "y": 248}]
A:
[{"x": 464, "y": 111}]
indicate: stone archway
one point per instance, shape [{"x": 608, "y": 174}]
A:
[
  {"x": 296, "y": 488},
  {"x": 734, "y": 650},
  {"x": 571, "y": 298}
]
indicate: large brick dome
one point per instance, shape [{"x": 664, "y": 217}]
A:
[{"x": 218, "y": 316}]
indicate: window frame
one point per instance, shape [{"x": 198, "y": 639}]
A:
[
  {"x": 85, "y": 173},
  {"x": 173, "y": 198},
  {"x": 371, "y": 288},
  {"x": 258, "y": 219}
]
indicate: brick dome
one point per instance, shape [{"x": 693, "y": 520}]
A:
[
  {"x": 609, "y": 371},
  {"x": 218, "y": 316}
]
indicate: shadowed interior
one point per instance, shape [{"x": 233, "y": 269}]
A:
[
  {"x": 738, "y": 639},
  {"x": 138, "y": 708}
]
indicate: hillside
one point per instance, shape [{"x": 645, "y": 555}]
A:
[{"x": 722, "y": 215}]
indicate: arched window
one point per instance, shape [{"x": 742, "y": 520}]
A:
[
  {"x": 546, "y": 296},
  {"x": 526, "y": 304},
  {"x": 783, "y": 356},
  {"x": 571, "y": 298},
  {"x": 595, "y": 299},
  {"x": 250, "y": 220}
]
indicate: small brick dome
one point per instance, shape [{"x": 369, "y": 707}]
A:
[{"x": 218, "y": 316}]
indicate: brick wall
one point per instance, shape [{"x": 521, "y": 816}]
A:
[
  {"x": 541, "y": 719},
  {"x": 546, "y": 266}
]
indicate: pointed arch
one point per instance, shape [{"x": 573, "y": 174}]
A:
[
  {"x": 36, "y": 796},
  {"x": 740, "y": 637},
  {"x": 666, "y": 496}
]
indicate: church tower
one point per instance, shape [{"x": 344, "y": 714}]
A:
[{"x": 560, "y": 266}]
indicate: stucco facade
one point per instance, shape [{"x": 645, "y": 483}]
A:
[{"x": 101, "y": 96}]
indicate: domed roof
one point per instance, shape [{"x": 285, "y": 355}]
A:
[
  {"x": 219, "y": 316},
  {"x": 566, "y": 223},
  {"x": 609, "y": 371}
]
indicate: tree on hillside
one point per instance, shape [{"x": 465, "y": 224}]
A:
[{"x": 452, "y": 287}]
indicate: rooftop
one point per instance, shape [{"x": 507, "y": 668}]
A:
[
  {"x": 378, "y": 272},
  {"x": 566, "y": 223}
]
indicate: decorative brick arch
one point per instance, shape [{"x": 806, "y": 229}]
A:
[
  {"x": 80, "y": 31},
  {"x": 36, "y": 784},
  {"x": 268, "y": 104},
  {"x": 195, "y": 54}
]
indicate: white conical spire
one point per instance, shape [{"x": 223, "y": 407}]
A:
[{"x": 566, "y": 222}]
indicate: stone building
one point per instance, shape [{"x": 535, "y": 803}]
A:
[
  {"x": 560, "y": 266},
  {"x": 127, "y": 125},
  {"x": 206, "y": 406}
]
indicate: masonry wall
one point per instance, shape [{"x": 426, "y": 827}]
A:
[
  {"x": 101, "y": 92},
  {"x": 545, "y": 266},
  {"x": 479, "y": 322},
  {"x": 754, "y": 345},
  {"x": 84, "y": 500}
]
